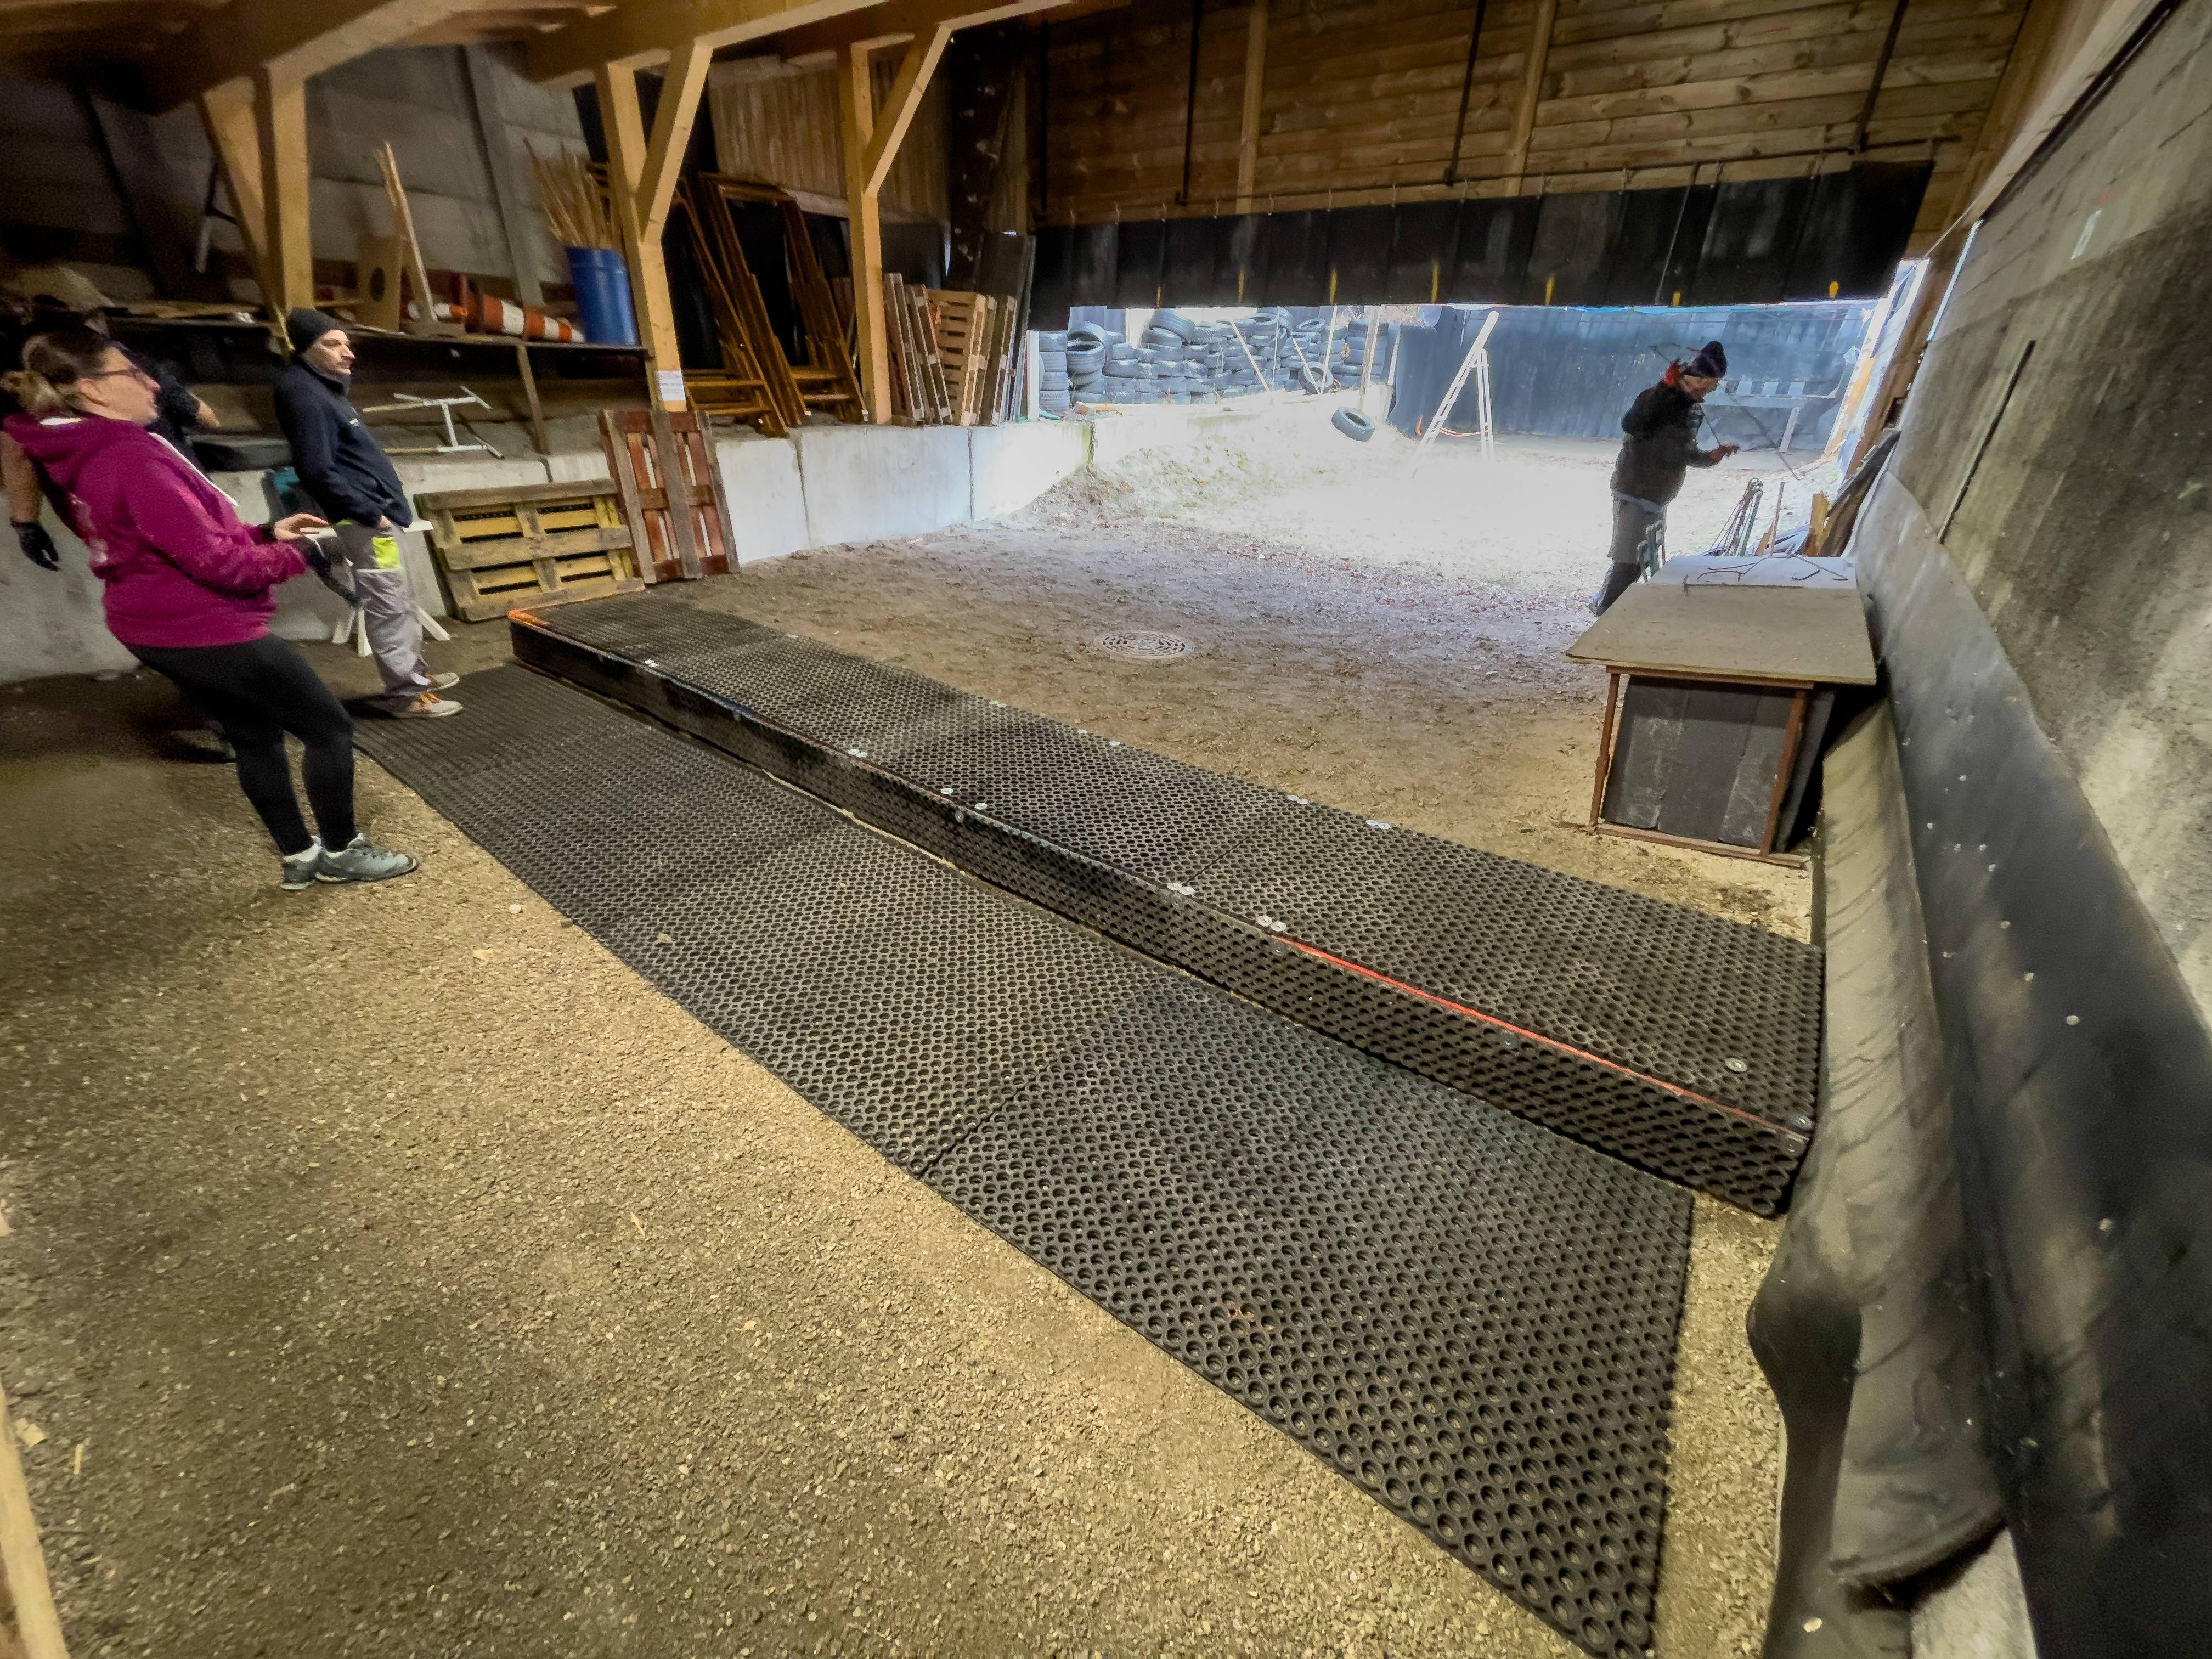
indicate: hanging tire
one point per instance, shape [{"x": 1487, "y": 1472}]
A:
[
  {"x": 1353, "y": 424},
  {"x": 1312, "y": 379}
]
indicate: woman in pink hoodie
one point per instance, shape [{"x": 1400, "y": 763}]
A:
[{"x": 189, "y": 590}]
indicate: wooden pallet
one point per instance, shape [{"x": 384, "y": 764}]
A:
[
  {"x": 671, "y": 487},
  {"x": 963, "y": 322},
  {"x": 530, "y": 544}
]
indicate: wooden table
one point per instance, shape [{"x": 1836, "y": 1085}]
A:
[{"x": 1718, "y": 692}]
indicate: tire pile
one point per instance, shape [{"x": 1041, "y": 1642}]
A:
[{"x": 1181, "y": 362}]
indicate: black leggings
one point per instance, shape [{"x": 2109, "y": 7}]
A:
[{"x": 259, "y": 691}]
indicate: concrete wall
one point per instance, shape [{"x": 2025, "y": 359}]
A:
[
  {"x": 821, "y": 486},
  {"x": 2086, "y": 531}
]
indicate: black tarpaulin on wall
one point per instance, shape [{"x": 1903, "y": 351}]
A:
[{"x": 1752, "y": 243}]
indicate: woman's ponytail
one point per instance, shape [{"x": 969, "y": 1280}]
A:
[{"x": 52, "y": 365}]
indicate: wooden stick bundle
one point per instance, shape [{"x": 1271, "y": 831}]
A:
[{"x": 572, "y": 199}]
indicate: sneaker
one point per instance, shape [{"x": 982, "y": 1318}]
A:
[
  {"x": 361, "y": 860},
  {"x": 422, "y": 706},
  {"x": 300, "y": 868},
  {"x": 442, "y": 681}
]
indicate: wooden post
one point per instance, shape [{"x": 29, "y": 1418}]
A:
[
  {"x": 227, "y": 112},
  {"x": 1532, "y": 91},
  {"x": 856, "y": 99},
  {"x": 529, "y": 393},
  {"x": 1255, "y": 74},
  {"x": 280, "y": 119},
  {"x": 642, "y": 180},
  {"x": 871, "y": 141}
]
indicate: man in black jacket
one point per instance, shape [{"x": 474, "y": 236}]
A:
[
  {"x": 352, "y": 483},
  {"x": 1661, "y": 447}
]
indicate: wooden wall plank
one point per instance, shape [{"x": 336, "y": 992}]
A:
[{"x": 1359, "y": 98}]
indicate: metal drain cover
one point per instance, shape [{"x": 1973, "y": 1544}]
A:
[{"x": 1141, "y": 645}]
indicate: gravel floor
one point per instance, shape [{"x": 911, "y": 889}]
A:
[{"x": 390, "y": 1272}]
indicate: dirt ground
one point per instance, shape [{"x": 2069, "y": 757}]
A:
[{"x": 391, "y": 1271}]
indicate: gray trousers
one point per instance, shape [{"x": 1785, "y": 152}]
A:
[
  {"x": 1638, "y": 528},
  {"x": 387, "y": 604}
]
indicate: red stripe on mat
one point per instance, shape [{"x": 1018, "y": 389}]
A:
[{"x": 1321, "y": 955}]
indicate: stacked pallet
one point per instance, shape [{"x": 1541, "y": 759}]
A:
[{"x": 952, "y": 354}]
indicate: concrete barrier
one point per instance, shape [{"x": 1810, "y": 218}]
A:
[
  {"x": 766, "y": 496},
  {"x": 1010, "y": 466},
  {"x": 865, "y": 483}
]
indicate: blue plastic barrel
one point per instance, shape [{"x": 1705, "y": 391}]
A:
[{"x": 603, "y": 307}]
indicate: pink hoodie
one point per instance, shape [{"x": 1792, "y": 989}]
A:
[{"x": 180, "y": 568}]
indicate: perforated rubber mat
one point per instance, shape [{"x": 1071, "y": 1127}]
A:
[
  {"x": 1470, "y": 1318},
  {"x": 1685, "y": 1043}
]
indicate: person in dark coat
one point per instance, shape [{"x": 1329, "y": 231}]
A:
[
  {"x": 1662, "y": 445},
  {"x": 352, "y": 483}
]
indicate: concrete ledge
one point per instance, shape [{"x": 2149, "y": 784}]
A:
[
  {"x": 865, "y": 483},
  {"x": 768, "y": 498},
  {"x": 1010, "y": 466}
]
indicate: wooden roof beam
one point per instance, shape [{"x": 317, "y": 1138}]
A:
[
  {"x": 642, "y": 34},
  {"x": 290, "y": 40},
  {"x": 899, "y": 22}
]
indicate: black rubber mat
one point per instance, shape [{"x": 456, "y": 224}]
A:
[
  {"x": 1685, "y": 1043},
  {"x": 1470, "y": 1318}
]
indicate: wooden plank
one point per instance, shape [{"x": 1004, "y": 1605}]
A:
[
  {"x": 1255, "y": 75},
  {"x": 857, "y": 125},
  {"x": 668, "y": 464},
  {"x": 515, "y": 550},
  {"x": 1745, "y": 633},
  {"x": 717, "y": 491},
  {"x": 1967, "y": 69},
  {"x": 529, "y": 377},
  {"x": 620, "y": 463},
  {"x": 454, "y": 500}
]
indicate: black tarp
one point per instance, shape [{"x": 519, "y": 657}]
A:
[
  {"x": 1573, "y": 246},
  {"x": 1295, "y": 256},
  {"x": 1422, "y": 251},
  {"x": 1495, "y": 235},
  {"x": 1360, "y": 254},
  {"x": 1751, "y": 242},
  {"x": 1856, "y": 230},
  {"x": 1094, "y": 255},
  {"x": 1140, "y": 262}
]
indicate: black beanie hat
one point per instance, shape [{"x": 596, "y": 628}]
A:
[
  {"x": 1711, "y": 362},
  {"x": 303, "y": 327}
]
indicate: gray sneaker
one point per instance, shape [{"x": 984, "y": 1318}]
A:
[
  {"x": 362, "y": 860},
  {"x": 444, "y": 682},
  {"x": 419, "y": 705},
  {"x": 300, "y": 867}
]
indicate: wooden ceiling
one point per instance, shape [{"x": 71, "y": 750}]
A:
[{"x": 85, "y": 33}]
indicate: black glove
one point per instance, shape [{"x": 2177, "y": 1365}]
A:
[{"x": 37, "y": 546}]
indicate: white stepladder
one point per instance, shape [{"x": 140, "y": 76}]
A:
[{"x": 1477, "y": 364}]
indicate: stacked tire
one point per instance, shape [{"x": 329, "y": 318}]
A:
[
  {"x": 1087, "y": 346},
  {"x": 1053, "y": 392}
]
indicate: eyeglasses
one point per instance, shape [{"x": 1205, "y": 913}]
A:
[{"x": 132, "y": 370}]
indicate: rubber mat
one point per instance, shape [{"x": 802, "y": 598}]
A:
[
  {"x": 1471, "y": 1318},
  {"x": 1685, "y": 1043}
]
